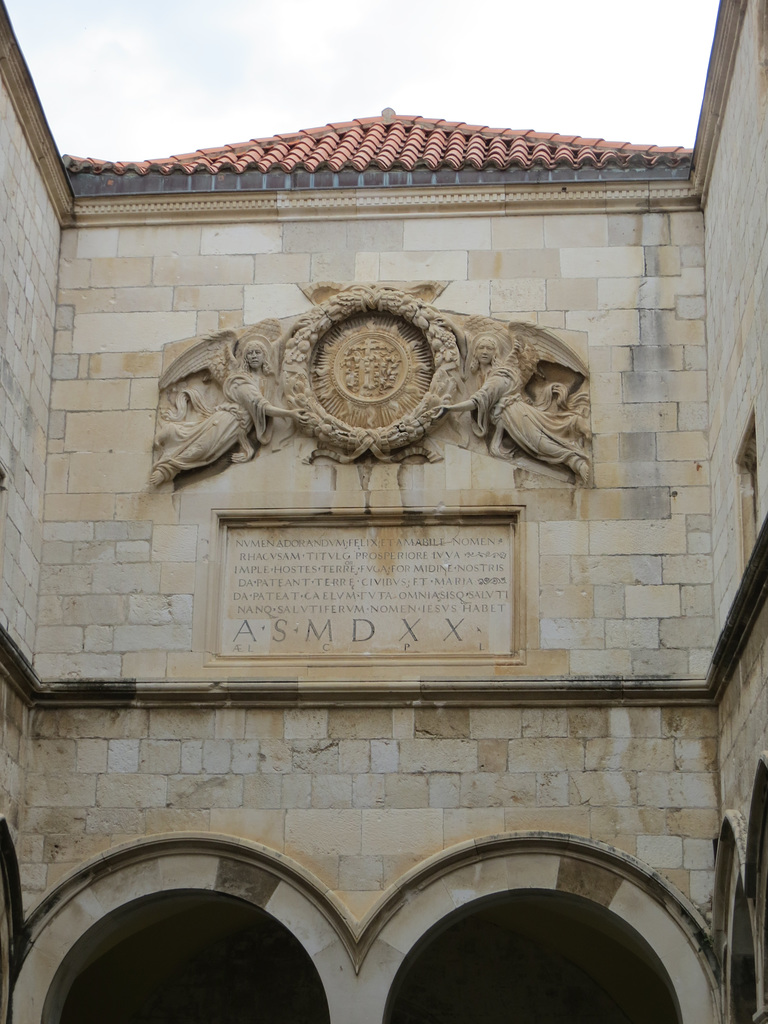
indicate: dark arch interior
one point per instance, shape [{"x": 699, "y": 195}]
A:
[
  {"x": 195, "y": 957},
  {"x": 743, "y": 987},
  {"x": 548, "y": 958}
]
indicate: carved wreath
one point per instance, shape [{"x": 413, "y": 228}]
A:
[{"x": 411, "y": 384}]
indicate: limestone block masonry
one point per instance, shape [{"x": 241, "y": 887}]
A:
[
  {"x": 614, "y": 576},
  {"x": 29, "y": 250},
  {"x": 384, "y": 569},
  {"x": 361, "y": 795}
]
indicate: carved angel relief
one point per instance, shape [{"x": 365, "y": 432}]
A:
[
  {"x": 214, "y": 401},
  {"x": 376, "y": 370},
  {"x": 530, "y": 396}
]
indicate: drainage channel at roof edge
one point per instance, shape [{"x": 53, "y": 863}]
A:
[{"x": 85, "y": 184}]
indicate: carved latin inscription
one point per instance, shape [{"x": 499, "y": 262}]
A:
[{"x": 359, "y": 590}]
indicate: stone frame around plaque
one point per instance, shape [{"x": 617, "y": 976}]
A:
[{"x": 337, "y": 612}]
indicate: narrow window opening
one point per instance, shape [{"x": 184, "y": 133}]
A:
[
  {"x": 762, "y": 51},
  {"x": 762, "y": 34},
  {"x": 3, "y": 514},
  {"x": 747, "y": 477}
]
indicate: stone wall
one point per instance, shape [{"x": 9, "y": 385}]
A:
[
  {"x": 596, "y": 726},
  {"x": 13, "y": 735},
  {"x": 617, "y": 575},
  {"x": 29, "y": 241},
  {"x": 360, "y": 795},
  {"x": 742, "y": 722},
  {"x": 737, "y": 326},
  {"x": 29, "y": 244},
  {"x": 737, "y": 302}
]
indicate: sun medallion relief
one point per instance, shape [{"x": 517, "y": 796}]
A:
[{"x": 372, "y": 369}]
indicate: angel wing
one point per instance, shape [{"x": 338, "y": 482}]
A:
[
  {"x": 547, "y": 360},
  {"x": 549, "y": 349},
  {"x": 215, "y": 353}
]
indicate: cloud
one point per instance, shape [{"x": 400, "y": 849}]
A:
[{"x": 153, "y": 79}]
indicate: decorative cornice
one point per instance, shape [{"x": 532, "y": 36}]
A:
[
  {"x": 17, "y": 672},
  {"x": 26, "y": 103},
  {"x": 554, "y": 692},
  {"x": 15, "y": 669},
  {"x": 341, "y": 204},
  {"x": 722, "y": 60}
]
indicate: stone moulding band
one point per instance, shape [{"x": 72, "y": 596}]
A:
[
  {"x": 15, "y": 75},
  {"x": 268, "y": 691},
  {"x": 633, "y": 197},
  {"x": 745, "y": 611},
  {"x": 280, "y": 690}
]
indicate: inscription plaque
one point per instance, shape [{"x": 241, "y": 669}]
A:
[{"x": 359, "y": 590}]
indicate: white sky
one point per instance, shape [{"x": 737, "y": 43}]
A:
[{"x": 149, "y": 78}]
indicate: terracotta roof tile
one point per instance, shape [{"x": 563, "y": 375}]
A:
[
  {"x": 404, "y": 142},
  {"x": 370, "y": 146},
  {"x": 413, "y": 148},
  {"x": 348, "y": 146},
  {"x": 396, "y": 136},
  {"x": 519, "y": 153},
  {"x": 475, "y": 152},
  {"x": 564, "y": 156},
  {"x": 497, "y": 153},
  {"x": 457, "y": 145},
  {"x": 320, "y": 153},
  {"x": 434, "y": 149}
]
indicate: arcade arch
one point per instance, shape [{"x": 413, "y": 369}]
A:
[
  {"x": 202, "y": 892},
  {"x": 524, "y": 885},
  {"x": 732, "y": 923},
  {"x": 187, "y": 955},
  {"x": 572, "y": 961},
  {"x": 756, "y": 877},
  {"x": 594, "y": 890}
]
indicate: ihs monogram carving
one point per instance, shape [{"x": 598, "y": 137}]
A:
[
  {"x": 375, "y": 371},
  {"x": 370, "y": 370}
]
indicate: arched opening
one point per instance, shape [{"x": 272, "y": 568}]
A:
[
  {"x": 550, "y": 957},
  {"x": 738, "y": 863},
  {"x": 200, "y": 957},
  {"x": 742, "y": 983},
  {"x": 753, "y": 897}
]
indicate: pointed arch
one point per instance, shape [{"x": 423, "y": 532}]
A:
[
  {"x": 732, "y": 920},
  {"x": 756, "y": 872}
]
